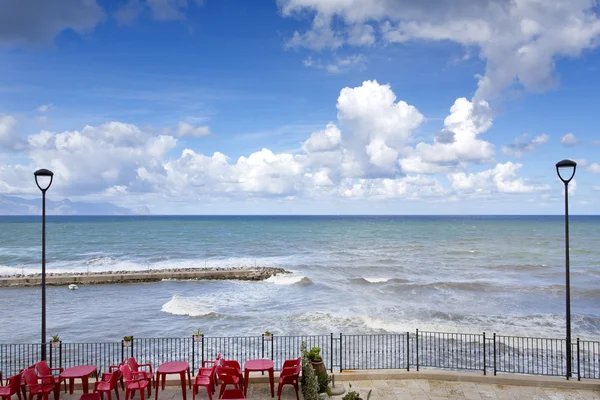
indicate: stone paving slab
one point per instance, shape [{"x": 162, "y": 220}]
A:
[{"x": 398, "y": 389}]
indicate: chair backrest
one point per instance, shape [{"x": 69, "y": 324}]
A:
[
  {"x": 30, "y": 377},
  {"x": 42, "y": 368},
  {"x": 15, "y": 384},
  {"x": 227, "y": 374},
  {"x": 132, "y": 362},
  {"x": 126, "y": 371},
  {"x": 114, "y": 379}
]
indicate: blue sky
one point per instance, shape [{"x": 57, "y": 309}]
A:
[{"x": 303, "y": 106}]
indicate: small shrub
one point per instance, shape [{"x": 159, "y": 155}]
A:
[
  {"x": 323, "y": 379},
  {"x": 309, "y": 382},
  {"x": 315, "y": 354}
]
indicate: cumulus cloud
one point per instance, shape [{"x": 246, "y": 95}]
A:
[
  {"x": 569, "y": 140},
  {"x": 35, "y": 22},
  {"x": 458, "y": 142},
  {"x": 520, "y": 40},
  {"x": 326, "y": 140},
  {"x": 160, "y": 10},
  {"x": 500, "y": 179},
  {"x": 367, "y": 152},
  {"x": 185, "y": 129},
  {"x": 45, "y": 108},
  {"x": 523, "y": 145}
]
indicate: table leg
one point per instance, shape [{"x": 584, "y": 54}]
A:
[
  {"x": 71, "y": 385},
  {"x": 272, "y": 382},
  {"x": 189, "y": 378},
  {"x": 246, "y": 375},
  {"x": 164, "y": 381},
  {"x": 84, "y": 383},
  {"x": 157, "y": 382},
  {"x": 183, "y": 388}
]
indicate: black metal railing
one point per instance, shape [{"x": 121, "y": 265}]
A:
[{"x": 419, "y": 349}]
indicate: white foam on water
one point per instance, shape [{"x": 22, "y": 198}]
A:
[
  {"x": 190, "y": 306},
  {"x": 285, "y": 279},
  {"x": 377, "y": 280}
]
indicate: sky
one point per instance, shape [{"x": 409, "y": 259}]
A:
[{"x": 303, "y": 106}]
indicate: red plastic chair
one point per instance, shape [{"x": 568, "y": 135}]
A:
[
  {"x": 290, "y": 374},
  {"x": 13, "y": 386},
  {"x": 135, "y": 367},
  {"x": 229, "y": 376},
  {"x": 134, "y": 381},
  {"x": 45, "y": 372},
  {"x": 90, "y": 396},
  {"x": 38, "y": 387},
  {"x": 108, "y": 383},
  {"x": 233, "y": 394}
]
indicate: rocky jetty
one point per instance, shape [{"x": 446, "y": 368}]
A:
[{"x": 97, "y": 278}]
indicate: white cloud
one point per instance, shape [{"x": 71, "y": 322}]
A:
[
  {"x": 337, "y": 65},
  {"x": 185, "y": 129},
  {"x": 520, "y": 40},
  {"x": 457, "y": 143},
  {"x": 33, "y": 22},
  {"x": 569, "y": 140},
  {"x": 9, "y": 137},
  {"x": 161, "y": 10},
  {"x": 325, "y": 140},
  {"x": 500, "y": 179},
  {"x": 594, "y": 168},
  {"x": 522, "y": 145},
  {"x": 45, "y": 108}
]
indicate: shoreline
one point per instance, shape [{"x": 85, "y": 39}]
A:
[{"x": 107, "y": 277}]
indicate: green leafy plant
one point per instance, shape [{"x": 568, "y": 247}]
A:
[
  {"x": 128, "y": 338},
  {"x": 323, "y": 379},
  {"x": 315, "y": 354},
  {"x": 309, "y": 382},
  {"x": 267, "y": 333},
  {"x": 197, "y": 332},
  {"x": 55, "y": 338},
  {"x": 354, "y": 395}
]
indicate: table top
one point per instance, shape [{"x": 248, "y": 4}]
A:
[
  {"x": 258, "y": 365},
  {"x": 173, "y": 367},
  {"x": 78, "y": 372}
]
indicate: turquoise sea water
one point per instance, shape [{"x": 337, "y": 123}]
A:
[{"x": 374, "y": 274}]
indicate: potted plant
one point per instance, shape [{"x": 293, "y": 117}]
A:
[
  {"x": 198, "y": 335},
  {"x": 314, "y": 355},
  {"x": 268, "y": 335},
  {"x": 127, "y": 340},
  {"x": 55, "y": 341}
]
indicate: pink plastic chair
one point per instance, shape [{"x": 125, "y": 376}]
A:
[
  {"x": 290, "y": 374},
  {"x": 146, "y": 373},
  {"x": 236, "y": 394},
  {"x": 38, "y": 387},
  {"x": 108, "y": 383},
  {"x": 45, "y": 372},
  {"x": 13, "y": 386},
  {"x": 229, "y": 376},
  {"x": 134, "y": 381}
]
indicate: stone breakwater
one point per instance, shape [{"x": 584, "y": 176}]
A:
[{"x": 106, "y": 277}]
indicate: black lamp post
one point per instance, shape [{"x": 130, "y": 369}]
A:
[
  {"x": 45, "y": 176},
  {"x": 568, "y": 167}
]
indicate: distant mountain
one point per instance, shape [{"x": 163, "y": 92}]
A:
[{"x": 10, "y": 205}]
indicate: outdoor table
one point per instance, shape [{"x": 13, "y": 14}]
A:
[
  {"x": 173, "y": 367},
  {"x": 81, "y": 372},
  {"x": 259, "y": 365}
]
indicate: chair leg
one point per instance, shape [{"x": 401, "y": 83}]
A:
[
  {"x": 117, "y": 392},
  {"x": 279, "y": 391},
  {"x": 208, "y": 390},
  {"x": 296, "y": 388}
]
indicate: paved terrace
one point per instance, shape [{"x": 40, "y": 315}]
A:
[{"x": 423, "y": 385}]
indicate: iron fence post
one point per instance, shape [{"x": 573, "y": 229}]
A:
[
  {"x": 60, "y": 354},
  {"x": 331, "y": 355},
  {"x": 341, "y": 354},
  {"x": 417, "y": 349},
  {"x": 578, "y": 369},
  {"x": 494, "y": 353},
  {"x": 193, "y": 355},
  {"x": 262, "y": 354},
  {"x": 408, "y": 351},
  {"x": 50, "y": 355},
  {"x": 272, "y": 347},
  {"x": 202, "y": 346},
  {"x": 131, "y": 352},
  {"x": 484, "y": 358}
]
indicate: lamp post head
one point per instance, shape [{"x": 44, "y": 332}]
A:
[
  {"x": 566, "y": 165},
  {"x": 44, "y": 174}
]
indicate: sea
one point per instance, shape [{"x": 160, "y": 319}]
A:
[{"x": 348, "y": 274}]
